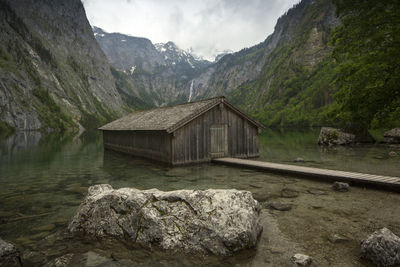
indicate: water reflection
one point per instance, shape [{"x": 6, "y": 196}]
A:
[
  {"x": 43, "y": 179},
  {"x": 285, "y": 146},
  {"x": 21, "y": 141}
]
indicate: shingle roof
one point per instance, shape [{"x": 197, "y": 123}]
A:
[{"x": 167, "y": 118}]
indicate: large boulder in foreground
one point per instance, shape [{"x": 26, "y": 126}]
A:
[
  {"x": 332, "y": 136},
  {"x": 9, "y": 254},
  {"x": 392, "y": 136},
  {"x": 211, "y": 221},
  {"x": 382, "y": 248}
]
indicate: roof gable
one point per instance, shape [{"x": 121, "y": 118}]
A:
[{"x": 170, "y": 118}]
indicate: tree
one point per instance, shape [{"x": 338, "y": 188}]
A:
[{"x": 367, "y": 50}]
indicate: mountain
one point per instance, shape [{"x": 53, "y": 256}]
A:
[
  {"x": 54, "y": 75},
  {"x": 323, "y": 65},
  {"x": 328, "y": 62},
  {"x": 222, "y": 54},
  {"x": 174, "y": 56},
  {"x": 126, "y": 52},
  {"x": 279, "y": 81},
  {"x": 155, "y": 74},
  {"x": 276, "y": 74}
]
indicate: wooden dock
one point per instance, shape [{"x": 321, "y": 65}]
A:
[{"x": 389, "y": 182}]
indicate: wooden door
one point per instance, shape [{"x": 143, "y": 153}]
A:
[{"x": 219, "y": 140}]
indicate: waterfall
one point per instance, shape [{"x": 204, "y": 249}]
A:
[{"x": 191, "y": 91}]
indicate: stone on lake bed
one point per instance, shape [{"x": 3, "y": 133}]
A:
[
  {"x": 392, "y": 154},
  {"x": 280, "y": 206},
  {"x": 62, "y": 261},
  {"x": 289, "y": 193},
  {"x": 317, "y": 191},
  {"x": 9, "y": 254},
  {"x": 382, "y": 247},
  {"x": 299, "y": 160},
  {"x": 340, "y": 186},
  {"x": 336, "y": 238},
  {"x": 214, "y": 221},
  {"x": 301, "y": 260}
]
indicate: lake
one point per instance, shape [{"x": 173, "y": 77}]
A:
[{"x": 43, "y": 179}]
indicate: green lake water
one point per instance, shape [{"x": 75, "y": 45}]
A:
[{"x": 44, "y": 179}]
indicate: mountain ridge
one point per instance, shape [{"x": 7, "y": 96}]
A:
[
  {"x": 54, "y": 75},
  {"x": 154, "y": 73}
]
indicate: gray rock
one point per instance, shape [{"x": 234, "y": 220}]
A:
[
  {"x": 340, "y": 186},
  {"x": 299, "y": 160},
  {"x": 210, "y": 221},
  {"x": 392, "y": 154},
  {"x": 382, "y": 248},
  {"x": 336, "y": 238},
  {"x": 9, "y": 255},
  {"x": 392, "y": 136},
  {"x": 66, "y": 60},
  {"x": 62, "y": 261},
  {"x": 331, "y": 136},
  {"x": 280, "y": 206},
  {"x": 301, "y": 260}
]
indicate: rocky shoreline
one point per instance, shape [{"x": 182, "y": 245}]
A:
[
  {"x": 333, "y": 136},
  {"x": 200, "y": 223}
]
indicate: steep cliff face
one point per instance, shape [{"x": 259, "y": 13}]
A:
[
  {"x": 128, "y": 52},
  {"x": 53, "y": 73},
  {"x": 155, "y": 74},
  {"x": 264, "y": 79}
]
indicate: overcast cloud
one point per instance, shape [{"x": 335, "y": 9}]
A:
[{"x": 206, "y": 26}]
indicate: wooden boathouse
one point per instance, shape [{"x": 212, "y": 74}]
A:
[{"x": 186, "y": 133}]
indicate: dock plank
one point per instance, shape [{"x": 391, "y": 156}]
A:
[{"x": 390, "y": 182}]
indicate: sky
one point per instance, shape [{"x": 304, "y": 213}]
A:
[{"x": 208, "y": 27}]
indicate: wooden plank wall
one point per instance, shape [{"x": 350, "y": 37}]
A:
[
  {"x": 155, "y": 145},
  {"x": 191, "y": 143}
]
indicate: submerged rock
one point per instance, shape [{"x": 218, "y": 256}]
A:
[
  {"x": 280, "y": 206},
  {"x": 317, "y": 191},
  {"x": 210, "y": 221},
  {"x": 392, "y": 136},
  {"x": 382, "y": 248},
  {"x": 63, "y": 261},
  {"x": 9, "y": 254},
  {"x": 299, "y": 160},
  {"x": 392, "y": 154},
  {"x": 337, "y": 238},
  {"x": 301, "y": 260},
  {"x": 289, "y": 193},
  {"x": 340, "y": 186},
  {"x": 331, "y": 136}
]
